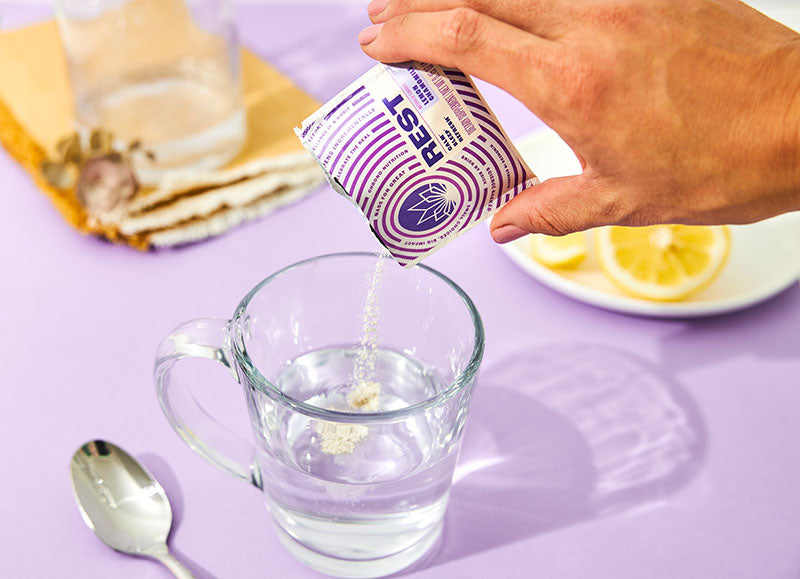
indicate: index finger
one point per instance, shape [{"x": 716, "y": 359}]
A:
[
  {"x": 542, "y": 17},
  {"x": 512, "y": 59}
]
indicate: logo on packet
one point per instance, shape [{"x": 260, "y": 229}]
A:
[{"x": 427, "y": 206}]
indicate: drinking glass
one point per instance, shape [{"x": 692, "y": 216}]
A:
[
  {"x": 161, "y": 72},
  {"x": 355, "y": 489}
]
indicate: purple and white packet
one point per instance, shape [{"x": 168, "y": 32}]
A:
[{"x": 416, "y": 148}]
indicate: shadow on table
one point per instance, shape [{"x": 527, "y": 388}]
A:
[
  {"x": 166, "y": 477},
  {"x": 766, "y": 331},
  {"x": 565, "y": 434}
]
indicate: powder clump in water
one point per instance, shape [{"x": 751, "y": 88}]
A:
[
  {"x": 340, "y": 438},
  {"x": 365, "y": 396}
]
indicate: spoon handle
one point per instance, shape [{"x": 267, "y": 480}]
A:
[{"x": 178, "y": 569}]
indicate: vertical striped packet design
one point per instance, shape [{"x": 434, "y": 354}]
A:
[{"x": 416, "y": 148}]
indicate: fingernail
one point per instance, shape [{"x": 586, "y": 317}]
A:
[
  {"x": 369, "y": 34},
  {"x": 507, "y": 233},
  {"x": 376, "y": 7}
]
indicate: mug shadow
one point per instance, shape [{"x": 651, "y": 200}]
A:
[
  {"x": 566, "y": 434},
  {"x": 166, "y": 477}
]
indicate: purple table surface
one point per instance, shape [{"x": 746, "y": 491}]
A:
[{"x": 599, "y": 445}]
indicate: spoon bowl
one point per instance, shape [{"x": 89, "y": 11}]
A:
[{"x": 123, "y": 503}]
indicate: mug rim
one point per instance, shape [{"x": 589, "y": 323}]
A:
[{"x": 266, "y": 386}]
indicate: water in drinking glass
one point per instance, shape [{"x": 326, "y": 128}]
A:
[{"x": 161, "y": 72}]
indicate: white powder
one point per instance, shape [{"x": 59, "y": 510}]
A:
[
  {"x": 339, "y": 438},
  {"x": 365, "y": 395}
]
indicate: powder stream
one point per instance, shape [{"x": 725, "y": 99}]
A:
[{"x": 341, "y": 438}]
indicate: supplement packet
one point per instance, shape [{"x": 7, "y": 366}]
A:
[{"x": 416, "y": 148}]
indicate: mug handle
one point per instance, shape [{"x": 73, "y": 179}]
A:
[{"x": 204, "y": 434}]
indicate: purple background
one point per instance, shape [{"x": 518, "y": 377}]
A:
[{"x": 574, "y": 406}]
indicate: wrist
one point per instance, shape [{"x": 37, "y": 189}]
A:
[
  {"x": 776, "y": 136},
  {"x": 791, "y": 141},
  {"x": 794, "y": 139}
]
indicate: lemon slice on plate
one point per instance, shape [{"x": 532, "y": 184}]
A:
[
  {"x": 562, "y": 252},
  {"x": 662, "y": 262}
]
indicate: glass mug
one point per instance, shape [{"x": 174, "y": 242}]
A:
[
  {"x": 161, "y": 72},
  {"x": 358, "y": 379}
]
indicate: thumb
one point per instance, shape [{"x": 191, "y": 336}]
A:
[{"x": 554, "y": 207}]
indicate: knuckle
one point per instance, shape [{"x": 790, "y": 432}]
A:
[
  {"x": 541, "y": 219},
  {"x": 606, "y": 199},
  {"x": 609, "y": 208},
  {"x": 476, "y": 5},
  {"x": 641, "y": 217},
  {"x": 617, "y": 205},
  {"x": 397, "y": 7},
  {"x": 617, "y": 14},
  {"x": 460, "y": 29},
  {"x": 398, "y": 28}
]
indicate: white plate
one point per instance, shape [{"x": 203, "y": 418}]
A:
[{"x": 764, "y": 258}]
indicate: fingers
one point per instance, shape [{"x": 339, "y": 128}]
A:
[
  {"x": 475, "y": 43},
  {"x": 554, "y": 207},
  {"x": 541, "y": 17}
]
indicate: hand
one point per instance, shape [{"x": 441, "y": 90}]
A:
[{"x": 680, "y": 111}]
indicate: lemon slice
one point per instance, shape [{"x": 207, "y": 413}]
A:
[
  {"x": 563, "y": 252},
  {"x": 662, "y": 262}
]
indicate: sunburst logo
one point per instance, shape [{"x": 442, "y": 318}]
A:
[{"x": 427, "y": 206}]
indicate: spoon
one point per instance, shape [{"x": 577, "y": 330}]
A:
[{"x": 123, "y": 504}]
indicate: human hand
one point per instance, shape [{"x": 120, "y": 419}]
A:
[{"x": 680, "y": 111}]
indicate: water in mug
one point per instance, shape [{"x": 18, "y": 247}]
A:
[
  {"x": 359, "y": 498},
  {"x": 386, "y": 495}
]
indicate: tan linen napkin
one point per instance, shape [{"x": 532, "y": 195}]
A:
[{"x": 271, "y": 170}]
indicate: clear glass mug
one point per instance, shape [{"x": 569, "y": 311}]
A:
[
  {"x": 356, "y": 479},
  {"x": 162, "y": 72}
]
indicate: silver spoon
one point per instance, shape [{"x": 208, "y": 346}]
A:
[{"x": 123, "y": 504}]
